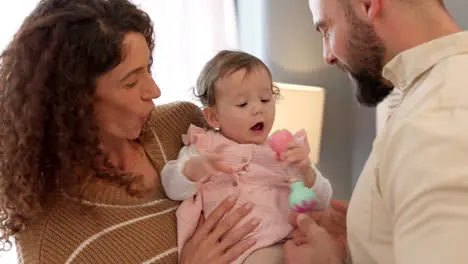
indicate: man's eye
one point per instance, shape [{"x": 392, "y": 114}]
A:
[{"x": 325, "y": 34}]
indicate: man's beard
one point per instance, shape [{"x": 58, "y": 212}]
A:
[{"x": 366, "y": 61}]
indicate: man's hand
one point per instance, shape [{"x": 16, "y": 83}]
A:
[
  {"x": 328, "y": 226},
  {"x": 333, "y": 220},
  {"x": 312, "y": 244}
]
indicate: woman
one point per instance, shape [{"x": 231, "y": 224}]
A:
[{"x": 82, "y": 145}]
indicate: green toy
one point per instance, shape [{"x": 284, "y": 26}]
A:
[{"x": 301, "y": 198}]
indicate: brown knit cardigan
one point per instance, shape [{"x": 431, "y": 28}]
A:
[{"x": 114, "y": 227}]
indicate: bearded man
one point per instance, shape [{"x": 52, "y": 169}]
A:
[{"x": 410, "y": 204}]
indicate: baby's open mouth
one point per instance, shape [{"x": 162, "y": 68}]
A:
[{"x": 258, "y": 126}]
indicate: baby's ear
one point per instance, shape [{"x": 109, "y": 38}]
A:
[{"x": 211, "y": 117}]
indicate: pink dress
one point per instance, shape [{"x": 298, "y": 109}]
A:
[{"x": 259, "y": 179}]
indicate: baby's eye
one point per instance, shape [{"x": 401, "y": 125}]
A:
[
  {"x": 242, "y": 105},
  {"x": 265, "y": 100}
]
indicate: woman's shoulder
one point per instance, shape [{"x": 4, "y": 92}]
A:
[
  {"x": 178, "y": 112},
  {"x": 162, "y": 135},
  {"x": 173, "y": 119}
]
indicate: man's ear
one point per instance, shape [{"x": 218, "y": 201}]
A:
[
  {"x": 372, "y": 8},
  {"x": 211, "y": 116}
]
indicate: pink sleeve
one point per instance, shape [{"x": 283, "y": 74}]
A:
[{"x": 194, "y": 135}]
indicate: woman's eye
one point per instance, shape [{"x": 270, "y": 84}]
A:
[
  {"x": 131, "y": 85},
  {"x": 242, "y": 105}
]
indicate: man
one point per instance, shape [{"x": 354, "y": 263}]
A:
[{"x": 410, "y": 204}]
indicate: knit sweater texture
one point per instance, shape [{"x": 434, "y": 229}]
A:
[{"x": 107, "y": 225}]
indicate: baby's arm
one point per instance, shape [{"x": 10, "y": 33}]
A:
[
  {"x": 176, "y": 185},
  {"x": 314, "y": 180},
  {"x": 322, "y": 189}
]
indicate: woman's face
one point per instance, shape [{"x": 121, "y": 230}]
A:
[{"x": 125, "y": 94}]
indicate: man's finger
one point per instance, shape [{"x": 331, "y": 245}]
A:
[
  {"x": 299, "y": 241},
  {"x": 305, "y": 223},
  {"x": 318, "y": 216},
  {"x": 340, "y": 206},
  {"x": 290, "y": 252},
  {"x": 296, "y": 234}
]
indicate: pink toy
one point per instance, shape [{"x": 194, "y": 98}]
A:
[
  {"x": 280, "y": 140},
  {"x": 301, "y": 198}
]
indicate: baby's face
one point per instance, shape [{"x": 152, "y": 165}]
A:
[{"x": 245, "y": 106}]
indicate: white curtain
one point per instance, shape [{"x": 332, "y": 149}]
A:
[{"x": 188, "y": 33}]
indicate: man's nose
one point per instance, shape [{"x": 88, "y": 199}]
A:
[{"x": 329, "y": 56}]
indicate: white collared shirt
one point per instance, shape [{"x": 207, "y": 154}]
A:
[{"x": 410, "y": 205}]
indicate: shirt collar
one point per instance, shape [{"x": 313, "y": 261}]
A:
[{"x": 407, "y": 66}]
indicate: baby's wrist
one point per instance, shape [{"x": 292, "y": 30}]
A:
[
  {"x": 188, "y": 171},
  {"x": 309, "y": 176}
]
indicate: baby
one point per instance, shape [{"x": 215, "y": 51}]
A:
[{"x": 238, "y": 95}]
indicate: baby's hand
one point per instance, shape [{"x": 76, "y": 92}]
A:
[
  {"x": 206, "y": 166},
  {"x": 297, "y": 155}
]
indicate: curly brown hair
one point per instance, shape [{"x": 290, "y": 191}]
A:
[{"x": 48, "y": 73}]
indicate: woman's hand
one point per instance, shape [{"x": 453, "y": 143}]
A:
[
  {"x": 215, "y": 241},
  {"x": 318, "y": 233}
]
